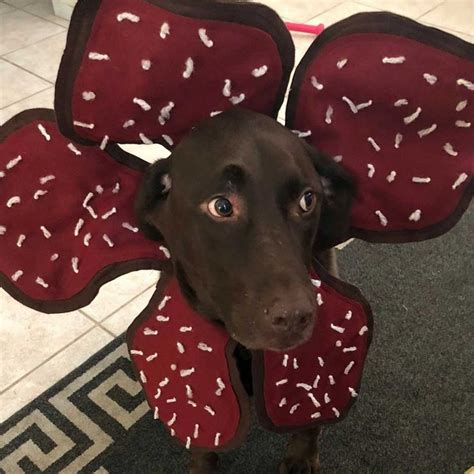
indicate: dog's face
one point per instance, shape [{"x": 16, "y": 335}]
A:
[{"x": 238, "y": 204}]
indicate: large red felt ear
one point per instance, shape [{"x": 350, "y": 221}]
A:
[
  {"x": 67, "y": 224},
  {"x": 136, "y": 71},
  {"x": 393, "y": 102}
]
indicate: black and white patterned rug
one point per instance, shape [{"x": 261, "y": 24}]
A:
[{"x": 414, "y": 415}]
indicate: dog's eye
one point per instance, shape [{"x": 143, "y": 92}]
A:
[
  {"x": 307, "y": 201},
  {"x": 220, "y": 207}
]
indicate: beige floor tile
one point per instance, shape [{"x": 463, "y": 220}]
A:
[
  {"x": 149, "y": 153},
  {"x": 41, "y": 58},
  {"x": 5, "y": 8},
  {"x": 52, "y": 371},
  {"x": 456, "y": 15},
  {"x": 17, "y": 84},
  {"x": 341, "y": 12},
  {"x": 20, "y": 29},
  {"x": 44, "y": 9},
  {"x": 28, "y": 338},
  {"x": 410, "y": 8},
  {"x": 119, "y": 292},
  {"x": 119, "y": 321},
  {"x": 20, "y": 3},
  {"x": 300, "y": 10},
  {"x": 41, "y": 99}
]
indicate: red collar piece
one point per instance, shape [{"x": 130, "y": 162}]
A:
[
  {"x": 189, "y": 375},
  {"x": 393, "y": 102}
]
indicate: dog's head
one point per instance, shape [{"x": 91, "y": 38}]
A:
[{"x": 241, "y": 204}]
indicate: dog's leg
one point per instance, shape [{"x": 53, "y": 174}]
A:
[
  {"x": 302, "y": 453},
  {"x": 203, "y": 462}
]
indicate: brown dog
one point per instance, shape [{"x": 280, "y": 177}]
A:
[{"x": 244, "y": 204}]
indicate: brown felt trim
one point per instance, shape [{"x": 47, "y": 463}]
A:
[
  {"x": 388, "y": 23},
  {"x": 248, "y": 14},
  {"x": 239, "y": 390},
  {"x": 106, "y": 274},
  {"x": 258, "y": 368}
]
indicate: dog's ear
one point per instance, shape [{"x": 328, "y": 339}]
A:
[
  {"x": 338, "y": 193},
  {"x": 151, "y": 197}
]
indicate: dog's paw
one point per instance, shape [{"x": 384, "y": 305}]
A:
[{"x": 298, "y": 466}]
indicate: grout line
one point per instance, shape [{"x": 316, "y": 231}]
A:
[
  {"x": 28, "y": 97},
  {"x": 98, "y": 324},
  {"x": 26, "y": 70},
  {"x": 37, "y": 16},
  {"x": 24, "y": 376},
  {"x": 430, "y": 10}
]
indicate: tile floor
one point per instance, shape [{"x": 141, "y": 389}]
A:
[{"x": 36, "y": 350}]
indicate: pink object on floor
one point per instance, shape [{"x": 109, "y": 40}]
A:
[{"x": 303, "y": 28}]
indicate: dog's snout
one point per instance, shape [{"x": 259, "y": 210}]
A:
[{"x": 291, "y": 320}]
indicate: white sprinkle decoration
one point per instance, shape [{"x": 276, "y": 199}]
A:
[
  {"x": 75, "y": 264},
  {"x": 193, "y": 404},
  {"x": 427, "y": 131},
  {"x": 316, "y": 381},
  {"x": 237, "y": 99},
  {"x": 41, "y": 282},
  {"x": 209, "y": 410},
  {"x": 89, "y": 196},
  {"x": 18, "y": 274},
  {"x": 420, "y": 180},
  {"x": 204, "y": 38},
  {"x": 165, "y": 113},
  {"x": 349, "y": 367},
  {"x": 448, "y": 148},
  {"x": 282, "y": 402},
  {"x": 150, "y": 332},
  {"x": 45, "y": 179},
  {"x": 95, "y": 56},
  {"x": 143, "y": 376},
  {"x": 363, "y": 330},
  {"x": 88, "y": 96},
  {"x": 164, "y": 382},
  {"x": 461, "y": 105},
  {"x": 135, "y": 352},
  {"x": 391, "y": 177},
  {"x": 394, "y": 60},
  {"x": 145, "y": 140},
  {"x": 188, "y": 68},
  {"x": 3, "y": 230},
  {"x": 216, "y": 112},
  {"x": 180, "y": 347},
  {"x": 164, "y": 30},
  {"x": 461, "y": 178},
  {"x": 128, "y": 226},
  {"x": 462, "y": 124},
  {"x": 74, "y": 149},
  {"x": 373, "y": 143},
  {"x": 202, "y": 346},
  {"x": 188, "y": 442},
  {"x": 415, "y": 216},
  {"x": 314, "y": 400},
  {"x": 281, "y": 382},
  {"x": 168, "y": 139},
  {"x": 146, "y": 64},
  {"x": 128, "y": 123},
  {"x": 151, "y": 357},
  {"x": 349, "y": 349},
  {"x": 43, "y": 132},
  {"x": 46, "y": 232},
  {"x": 186, "y": 372},
  {"x": 171, "y": 400},
  {"x": 294, "y": 408},
  {"x": 163, "y": 302},
  {"x": 54, "y": 257},
  {"x": 295, "y": 363},
  {"x": 221, "y": 386},
  {"x": 336, "y": 412},
  {"x": 338, "y": 343},
  {"x": 78, "y": 227},
  {"x": 2, "y": 174},
  {"x": 326, "y": 398},
  {"x": 260, "y": 71},
  {"x": 227, "y": 90},
  {"x": 104, "y": 142},
  {"x": 99, "y": 189},
  {"x": 13, "y": 200},
  {"x": 430, "y": 78},
  {"x": 21, "y": 239},
  {"x": 156, "y": 413},
  {"x": 338, "y": 329},
  {"x": 383, "y": 220},
  {"x": 353, "y": 392},
  {"x": 302, "y": 134},
  {"x": 329, "y": 112},
  {"x": 116, "y": 188},
  {"x": 13, "y": 162},
  {"x": 400, "y": 102},
  {"x": 157, "y": 394},
  {"x": 196, "y": 431},
  {"x": 284, "y": 363},
  {"x": 371, "y": 170},
  {"x": 107, "y": 239},
  {"x": 162, "y": 319},
  {"x": 304, "y": 386},
  {"x": 337, "y": 158},
  {"x": 331, "y": 380},
  {"x": 317, "y": 85},
  {"x": 363, "y": 105},
  {"x": 398, "y": 140},
  {"x": 87, "y": 239},
  {"x": 464, "y": 82},
  {"x": 411, "y": 118},
  {"x": 142, "y": 103},
  {"x": 165, "y": 251},
  {"x": 341, "y": 63},
  {"x": 189, "y": 391},
  {"x": 319, "y": 299},
  {"x": 321, "y": 361},
  {"x": 316, "y": 283},
  {"x": 351, "y": 104},
  {"x": 172, "y": 420},
  {"x": 316, "y": 415},
  {"x": 90, "y": 126},
  {"x": 128, "y": 16},
  {"x": 185, "y": 329},
  {"x": 109, "y": 213},
  {"x": 217, "y": 439},
  {"x": 172, "y": 432}
]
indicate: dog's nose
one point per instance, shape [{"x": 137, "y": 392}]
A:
[{"x": 295, "y": 320}]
